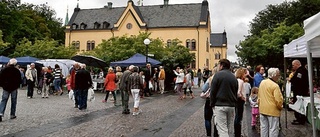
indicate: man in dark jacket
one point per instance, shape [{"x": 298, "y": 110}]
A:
[
  {"x": 148, "y": 77},
  {"x": 83, "y": 82},
  {"x": 10, "y": 79},
  {"x": 125, "y": 89},
  {"x": 223, "y": 97},
  {"x": 300, "y": 87}
]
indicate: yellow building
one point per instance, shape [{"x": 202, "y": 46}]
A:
[{"x": 189, "y": 23}]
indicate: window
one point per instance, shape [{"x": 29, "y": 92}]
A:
[
  {"x": 129, "y": 26},
  {"x": 168, "y": 42},
  {"x": 217, "y": 56},
  {"x": 77, "y": 45},
  {"x": 90, "y": 45},
  {"x": 207, "y": 62},
  {"x": 83, "y": 26},
  {"x": 193, "y": 64},
  {"x": 96, "y": 25},
  {"x": 106, "y": 25},
  {"x": 74, "y": 26},
  {"x": 193, "y": 44},
  {"x": 188, "y": 43},
  {"x": 73, "y": 43}
]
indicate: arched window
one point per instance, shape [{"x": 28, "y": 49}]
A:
[
  {"x": 168, "y": 42},
  {"x": 193, "y": 44},
  {"x": 77, "y": 45},
  {"x": 217, "y": 55},
  {"x": 188, "y": 43},
  {"x": 90, "y": 45},
  {"x": 73, "y": 43}
]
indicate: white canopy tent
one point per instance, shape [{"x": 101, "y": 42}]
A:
[
  {"x": 312, "y": 36},
  {"x": 65, "y": 64},
  {"x": 307, "y": 46}
]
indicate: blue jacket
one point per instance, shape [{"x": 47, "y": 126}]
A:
[{"x": 257, "y": 79}]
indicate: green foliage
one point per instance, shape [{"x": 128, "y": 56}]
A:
[
  {"x": 3, "y": 45},
  {"x": 268, "y": 49},
  {"x": 121, "y": 48},
  {"x": 43, "y": 49},
  {"x": 33, "y": 22},
  {"x": 271, "y": 29}
]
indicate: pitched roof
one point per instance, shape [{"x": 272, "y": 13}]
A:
[
  {"x": 218, "y": 39},
  {"x": 155, "y": 16}
]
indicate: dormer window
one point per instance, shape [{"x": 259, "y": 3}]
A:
[
  {"x": 96, "y": 25},
  {"x": 83, "y": 26},
  {"x": 74, "y": 26},
  {"x": 106, "y": 25}
]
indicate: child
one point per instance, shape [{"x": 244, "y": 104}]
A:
[
  {"x": 247, "y": 87},
  {"x": 254, "y": 106}
]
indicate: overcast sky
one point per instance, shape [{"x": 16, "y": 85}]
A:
[{"x": 232, "y": 15}]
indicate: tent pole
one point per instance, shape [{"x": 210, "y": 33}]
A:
[
  {"x": 284, "y": 89},
  {"x": 309, "y": 60}
]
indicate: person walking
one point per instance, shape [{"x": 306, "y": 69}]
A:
[
  {"x": 124, "y": 87},
  {"x": 135, "y": 85},
  {"x": 240, "y": 75},
  {"x": 188, "y": 84},
  {"x": 208, "y": 111},
  {"x": 299, "y": 87},
  {"x": 73, "y": 73},
  {"x": 253, "y": 99},
  {"x": 10, "y": 79},
  {"x": 199, "y": 75},
  {"x": 179, "y": 82},
  {"x": 118, "y": 78},
  {"x": 162, "y": 77},
  {"x": 155, "y": 80},
  {"x": 83, "y": 82},
  {"x": 270, "y": 104},
  {"x": 148, "y": 79},
  {"x": 110, "y": 85},
  {"x": 32, "y": 78},
  {"x": 223, "y": 97},
  {"x": 57, "y": 74},
  {"x": 47, "y": 77}
]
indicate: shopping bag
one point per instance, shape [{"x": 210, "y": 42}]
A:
[
  {"x": 71, "y": 95},
  {"x": 91, "y": 95},
  {"x": 205, "y": 94},
  {"x": 150, "y": 85}
]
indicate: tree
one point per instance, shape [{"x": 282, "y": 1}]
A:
[
  {"x": 43, "y": 49},
  {"x": 120, "y": 48},
  {"x": 268, "y": 49},
  {"x": 3, "y": 45}
]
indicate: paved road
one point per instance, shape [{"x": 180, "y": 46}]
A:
[{"x": 162, "y": 116}]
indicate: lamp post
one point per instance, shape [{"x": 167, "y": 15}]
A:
[{"x": 146, "y": 42}]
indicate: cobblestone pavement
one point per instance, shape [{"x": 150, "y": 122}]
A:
[{"x": 162, "y": 116}]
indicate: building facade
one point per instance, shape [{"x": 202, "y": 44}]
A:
[{"x": 190, "y": 23}]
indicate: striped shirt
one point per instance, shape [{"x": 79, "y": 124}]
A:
[{"x": 57, "y": 73}]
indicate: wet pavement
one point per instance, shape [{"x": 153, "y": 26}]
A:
[{"x": 162, "y": 116}]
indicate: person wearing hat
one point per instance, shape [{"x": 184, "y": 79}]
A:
[{"x": 10, "y": 79}]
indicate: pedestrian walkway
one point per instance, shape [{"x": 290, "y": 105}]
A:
[{"x": 162, "y": 116}]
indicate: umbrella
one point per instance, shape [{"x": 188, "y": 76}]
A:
[
  {"x": 27, "y": 60},
  {"x": 90, "y": 61},
  {"x": 4, "y": 60}
]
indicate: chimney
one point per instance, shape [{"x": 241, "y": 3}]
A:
[
  {"x": 110, "y": 5},
  {"x": 166, "y": 3}
]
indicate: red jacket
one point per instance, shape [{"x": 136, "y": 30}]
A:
[{"x": 110, "y": 82}]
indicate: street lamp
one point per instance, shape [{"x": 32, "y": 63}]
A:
[{"x": 146, "y": 42}]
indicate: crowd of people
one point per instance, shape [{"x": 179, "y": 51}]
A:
[{"x": 229, "y": 91}]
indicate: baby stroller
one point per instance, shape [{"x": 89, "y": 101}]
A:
[{"x": 40, "y": 86}]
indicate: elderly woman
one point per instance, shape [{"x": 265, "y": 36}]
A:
[{"x": 270, "y": 104}]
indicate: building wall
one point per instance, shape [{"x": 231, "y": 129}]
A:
[{"x": 200, "y": 34}]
